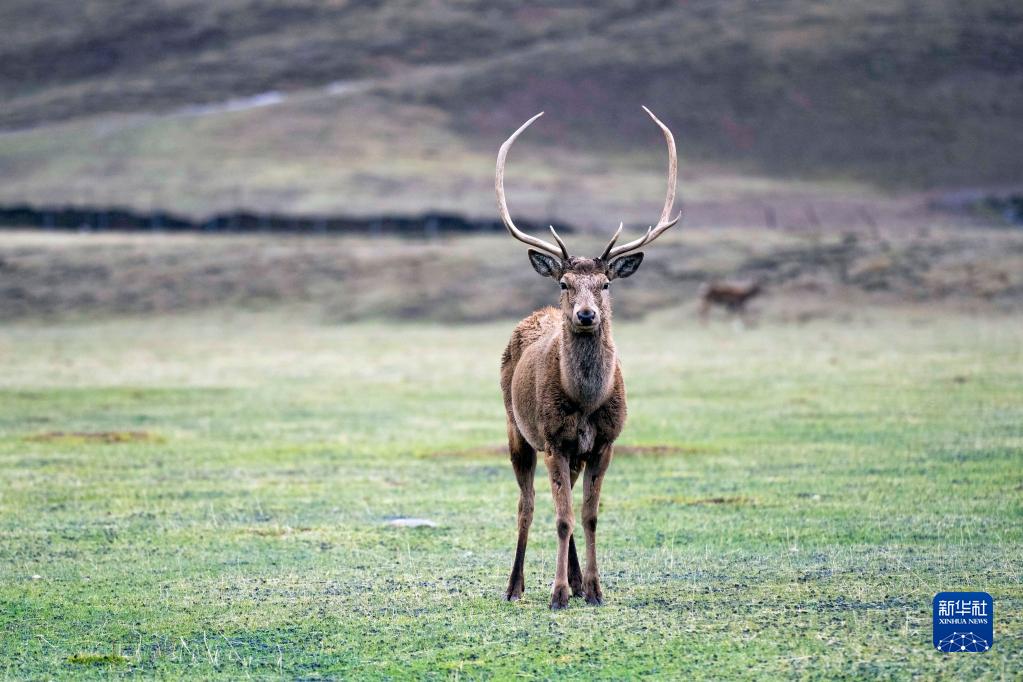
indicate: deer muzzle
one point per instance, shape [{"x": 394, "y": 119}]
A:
[{"x": 586, "y": 318}]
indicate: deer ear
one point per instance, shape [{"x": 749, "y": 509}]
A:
[
  {"x": 625, "y": 266},
  {"x": 548, "y": 266}
]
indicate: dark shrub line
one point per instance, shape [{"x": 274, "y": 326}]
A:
[{"x": 114, "y": 218}]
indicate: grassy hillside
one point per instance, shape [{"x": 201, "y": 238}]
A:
[{"x": 406, "y": 102}]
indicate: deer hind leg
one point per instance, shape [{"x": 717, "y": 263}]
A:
[
  {"x": 592, "y": 480},
  {"x": 575, "y": 572},
  {"x": 561, "y": 490},
  {"x": 523, "y": 458},
  {"x": 749, "y": 320}
]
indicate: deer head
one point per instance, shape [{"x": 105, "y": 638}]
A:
[{"x": 585, "y": 282}]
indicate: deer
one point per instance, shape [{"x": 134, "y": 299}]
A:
[
  {"x": 562, "y": 383},
  {"x": 733, "y": 295}
]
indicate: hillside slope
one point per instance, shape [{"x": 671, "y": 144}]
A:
[{"x": 898, "y": 94}]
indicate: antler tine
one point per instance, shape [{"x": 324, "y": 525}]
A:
[
  {"x": 669, "y": 201},
  {"x": 611, "y": 243},
  {"x": 502, "y": 203},
  {"x": 561, "y": 243}
]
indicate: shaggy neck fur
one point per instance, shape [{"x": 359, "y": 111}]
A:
[{"x": 588, "y": 365}]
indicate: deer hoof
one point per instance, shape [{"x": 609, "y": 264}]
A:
[
  {"x": 514, "y": 591},
  {"x": 559, "y": 598},
  {"x": 516, "y": 586},
  {"x": 594, "y": 596}
]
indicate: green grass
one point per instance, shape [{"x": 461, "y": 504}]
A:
[{"x": 209, "y": 496}]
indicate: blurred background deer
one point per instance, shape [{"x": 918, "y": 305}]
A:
[{"x": 732, "y": 295}]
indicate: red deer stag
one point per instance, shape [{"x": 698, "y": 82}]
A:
[
  {"x": 563, "y": 388},
  {"x": 732, "y": 295}
]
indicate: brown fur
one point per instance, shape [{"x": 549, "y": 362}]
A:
[
  {"x": 731, "y": 295},
  {"x": 564, "y": 395},
  {"x": 563, "y": 388}
]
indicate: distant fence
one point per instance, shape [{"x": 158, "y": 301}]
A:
[{"x": 98, "y": 219}]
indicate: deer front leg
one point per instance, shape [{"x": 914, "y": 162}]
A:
[
  {"x": 704, "y": 310},
  {"x": 592, "y": 480},
  {"x": 561, "y": 490}
]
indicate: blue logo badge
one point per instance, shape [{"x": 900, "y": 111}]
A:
[{"x": 964, "y": 621}]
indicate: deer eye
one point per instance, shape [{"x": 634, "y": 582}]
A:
[
  {"x": 564, "y": 287},
  {"x": 607, "y": 285}
]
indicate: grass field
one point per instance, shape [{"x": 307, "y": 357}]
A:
[{"x": 209, "y": 496}]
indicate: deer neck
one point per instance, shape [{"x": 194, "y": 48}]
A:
[{"x": 588, "y": 365}]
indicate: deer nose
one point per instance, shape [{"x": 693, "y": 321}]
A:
[{"x": 586, "y": 317}]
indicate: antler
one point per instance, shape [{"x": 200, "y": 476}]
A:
[
  {"x": 560, "y": 251},
  {"x": 663, "y": 224}
]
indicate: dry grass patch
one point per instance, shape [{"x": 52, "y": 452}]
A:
[
  {"x": 664, "y": 450},
  {"x": 730, "y": 501},
  {"x": 95, "y": 437},
  {"x": 97, "y": 659}
]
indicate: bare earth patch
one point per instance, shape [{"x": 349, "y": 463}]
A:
[
  {"x": 734, "y": 501},
  {"x": 94, "y": 437},
  {"x": 663, "y": 450}
]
